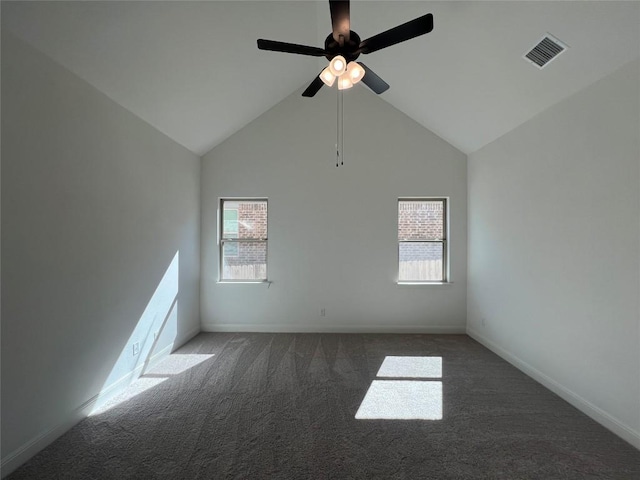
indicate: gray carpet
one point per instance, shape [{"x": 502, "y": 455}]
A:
[{"x": 283, "y": 406}]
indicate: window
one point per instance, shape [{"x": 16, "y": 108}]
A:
[
  {"x": 243, "y": 240},
  {"x": 422, "y": 240}
]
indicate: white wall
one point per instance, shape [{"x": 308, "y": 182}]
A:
[
  {"x": 100, "y": 236},
  {"x": 554, "y": 259},
  {"x": 333, "y": 231}
]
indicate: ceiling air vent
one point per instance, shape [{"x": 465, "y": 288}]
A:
[{"x": 546, "y": 50}]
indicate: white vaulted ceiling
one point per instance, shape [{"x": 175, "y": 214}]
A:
[{"x": 192, "y": 69}]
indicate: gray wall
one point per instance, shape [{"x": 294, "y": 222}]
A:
[
  {"x": 100, "y": 236},
  {"x": 554, "y": 259},
  {"x": 333, "y": 231}
]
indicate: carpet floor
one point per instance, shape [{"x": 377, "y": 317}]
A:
[{"x": 284, "y": 406}]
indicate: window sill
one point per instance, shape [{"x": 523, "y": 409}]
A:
[
  {"x": 424, "y": 283},
  {"x": 255, "y": 282}
]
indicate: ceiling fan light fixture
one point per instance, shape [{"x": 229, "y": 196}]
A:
[
  {"x": 327, "y": 77},
  {"x": 355, "y": 72},
  {"x": 338, "y": 65},
  {"x": 344, "y": 82},
  {"x": 343, "y": 43}
]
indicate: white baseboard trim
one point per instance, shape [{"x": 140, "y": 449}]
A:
[
  {"x": 287, "y": 328},
  {"x": 586, "y": 407},
  {"x": 23, "y": 453}
]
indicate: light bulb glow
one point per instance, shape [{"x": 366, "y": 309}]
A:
[
  {"x": 327, "y": 77},
  {"x": 344, "y": 82},
  {"x": 355, "y": 72},
  {"x": 338, "y": 65}
]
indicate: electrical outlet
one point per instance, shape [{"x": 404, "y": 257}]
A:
[
  {"x": 136, "y": 348},
  {"x": 323, "y": 312}
]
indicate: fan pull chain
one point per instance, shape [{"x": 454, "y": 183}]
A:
[{"x": 340, "y": 131}]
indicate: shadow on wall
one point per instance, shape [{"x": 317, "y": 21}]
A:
[{"x": 157, "y": 326}]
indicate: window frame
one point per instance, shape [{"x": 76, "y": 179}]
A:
[
  {"x": 222, "y": 240},
  {"x": 446, "y": 277}
]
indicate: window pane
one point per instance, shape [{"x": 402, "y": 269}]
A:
[
  {"x": 245, "y": 218},
  {"x": 230, "y": 222},
  {"x": 230, "y": 249},
  {"x": 421, "y": 220},
  {"x": 421, "y": 262},
  {"x": 248, "y": 262}
]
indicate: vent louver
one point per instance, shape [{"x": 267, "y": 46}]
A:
[{"x": 546, "y": 50}]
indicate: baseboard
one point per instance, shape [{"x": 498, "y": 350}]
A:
[
  {"x": 287, "y": 328},
  {"x": 23, "y": 453},
  {"x": 586, "y": 407}
]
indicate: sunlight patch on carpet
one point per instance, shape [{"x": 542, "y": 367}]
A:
[
  {"x": 402, "y": 400},
  {"x": 174, "y": 364},
  {"x": 141, "y": 385},
  {"x": 411, "y": 367},
  {"x": 177, "y": 363}
]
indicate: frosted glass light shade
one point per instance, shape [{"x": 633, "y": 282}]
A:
[
  {"x": 327, "y": 77},
  {"x": 355, "y": 72},
  {"x": 344, "y": 82},
  {"x": 338, "y": 65}
]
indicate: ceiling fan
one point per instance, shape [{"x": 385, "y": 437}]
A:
[{"x": 343, "y": 46}]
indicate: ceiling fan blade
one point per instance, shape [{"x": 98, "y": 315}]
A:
[
  {"x": 340, "y": 19},
  {"x": 373, "y": 81},
  {"x": 290, "y": 48},
  {"x": 406, "y": 31},
  {"x": 313, "y": 87}
]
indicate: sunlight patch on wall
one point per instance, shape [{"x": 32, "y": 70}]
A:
[{"x": 152, "y": 333}]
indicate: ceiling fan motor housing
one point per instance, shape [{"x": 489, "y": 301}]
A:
[{"x": 349, "y": 49}]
